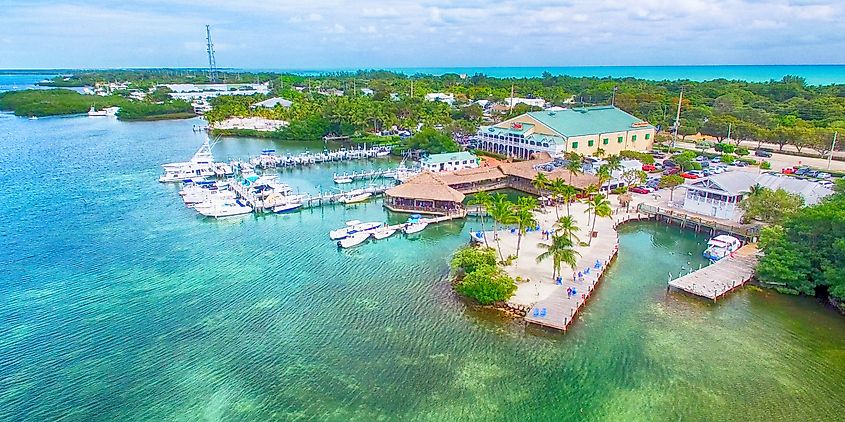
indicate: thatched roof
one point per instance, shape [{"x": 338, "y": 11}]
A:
[
  {"x": 426, "y": 186},
  {"x": 526, "y": 170},
  {"x": 479, "y": 174}
]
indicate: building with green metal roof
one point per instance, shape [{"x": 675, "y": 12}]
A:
[{"x": 586, "y": 130}]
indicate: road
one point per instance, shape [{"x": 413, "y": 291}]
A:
[{"x": 780, "y": 161}]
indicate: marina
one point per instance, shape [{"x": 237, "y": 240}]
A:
[{"x": 721, "y": 277}]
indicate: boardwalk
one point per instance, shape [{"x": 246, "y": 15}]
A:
[{"x": 718, "y": 279}]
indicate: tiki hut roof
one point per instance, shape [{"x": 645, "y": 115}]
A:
[
  {"x": 426, "y": 186},
  {"x": 527, "y": 170},
  {"x": 479, "y": 174}
]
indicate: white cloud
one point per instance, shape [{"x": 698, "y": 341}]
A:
[
  {"x": 311, "y": 17},
  {"x": 369, "y": 29},
  {"x": 379, "y": 12}
]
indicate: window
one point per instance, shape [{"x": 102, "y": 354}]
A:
[
  {"x": 619, "y": 139},
  {"x": 633, "y": 138},
  {"x": 575, "y": 145},
  {"x": 465, "y": 161},
  {"x": 590, "y": 143},
  {"x": 647, "y": 136},
  {"x": 604, "y": 141}
]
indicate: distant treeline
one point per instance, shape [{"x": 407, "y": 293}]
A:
[{"x": 54, "y": 102}]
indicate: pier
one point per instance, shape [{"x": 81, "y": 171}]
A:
[
  {"x": 367, "y": 174},
  {"x": 308, "y": 201},
  {"x": 747, "y": 232},
  {"x": 269, "y": 158},
  {"x": 721, "y": 277}
]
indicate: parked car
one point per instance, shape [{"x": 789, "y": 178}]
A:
[
  {"x": 812, "y": 173},
  {"x": 826, "y": 183},
  {"x": 672, "y": 170},
  {"x": 658, "y": 155},
  {"x": 801, "y": 171},
  {"x": 740, "y": 163},
  {"x": 701, "y": 158},
  {"x": 694, "y": 174},
  {"x": 639, "y": 189},
  {"x": 649, "y": 167},
  {"x": 823, "y": 175},
  {"x": 669, "y": 163},
  {"x": 788, "y": 170},
  {"x": 765, "y": 153},
  {"x": 716, "y": 160},
  {"x": 718, "y": 169}
]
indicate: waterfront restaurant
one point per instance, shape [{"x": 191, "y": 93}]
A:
[
  {"x": 425, "y": 194},
  {"x": 582, "y": 130}
]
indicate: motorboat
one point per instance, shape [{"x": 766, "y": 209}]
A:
[
  {"x": 382, "y": 153},
  {"x": 354, "y": 198},
  {"x": 283, "y": 208},
  {"x": 353, "y": 240},
  {"x": 353, "y": 227},
  {"x": 417, "y": 227},
  {"x": 383, "y": 232},
  {"x": 92, "y": 112},
  {"x": 342, "y": 179},
  {"x": 200, "y": 166},
  {"x": 721, "y": 246},
  {"x": 218, "y": 209}
]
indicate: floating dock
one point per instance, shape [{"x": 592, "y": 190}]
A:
[{"x": 721, "y": 277}]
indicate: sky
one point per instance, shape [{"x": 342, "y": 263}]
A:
[{"x": 330, "y": 34}]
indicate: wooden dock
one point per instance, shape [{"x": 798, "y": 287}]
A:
[{"x": 721, "y": 277}]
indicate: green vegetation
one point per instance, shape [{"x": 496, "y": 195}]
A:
[
  {"x": 479, "y": 278},
  {"x": 806, "y": 253},
  {"x": 770, "y": 206},
  {"x": 144, "y": 110},
  {"x": 636, "y": 155},
  {"x": 686, "y": 160},
  {"x": 432, "y": 141},
  {"x": 671, "y": 182},
  {"x": 53, "y": 102},
  {"x": 561, "y": 251}
]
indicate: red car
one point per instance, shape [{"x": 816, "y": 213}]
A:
[
  {"x": 788, "y": 170},
  {"x": 690, "y": 175},
  {"x": 649, "y": 167},
  {"x": 638, "y": 189},
  {"x": 671, "y": 170}
]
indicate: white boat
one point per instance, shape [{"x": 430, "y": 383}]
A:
[
  {"x": 33, "y": 117},
  {"x": 382, "y": 153},
  {"x": 97, "y": 113},
  {"x": 353, "y": 227},
  {"x": 721, "y": 246},
  {"x": 279, "y": 209},
  {"x": 417, "y": 227},
  {"x": 218, "y": 209},
  {"x": 200, "y": 166},
  {"x": 354, "y": 198},
  {"x": 383, "y": 232},
  {"x": 342, "y": 179},
  {"x": 353, "y": 240}
]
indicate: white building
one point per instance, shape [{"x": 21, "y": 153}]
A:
[
  {"x": 440, "y": 96},
  {"x": 273, "y": 102},
  {"x": 533, "y": 102},
  {"x": 190, "y": 92},
  {"x": 449, "y": 161},
  {"x": 719, "y": 196}
]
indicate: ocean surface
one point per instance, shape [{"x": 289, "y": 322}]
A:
[
  {"x": 813, "y": 74},
  {"x": 121, "y": 304}
]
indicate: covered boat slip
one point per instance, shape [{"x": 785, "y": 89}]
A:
[{"x": 721, "y": 277}]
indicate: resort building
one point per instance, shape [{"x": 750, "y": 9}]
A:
[
  {"x": 719, "y": 196},
  {"x": 272, "y": 103},
  {"x": 424, "y": 194},
  {"x": 190, "y": 92},
  {"x": 450, "y": 161},
  {"x": 533, "y": 102},
  {"x": 582, "y": 130}
]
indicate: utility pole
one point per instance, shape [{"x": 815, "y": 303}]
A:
[
  {"x": 613, "y": 96},
  {"x": 212, "y": 65},
  {"x": 412, "y": 88},
  {"x": 512, "y": 93},
  {"x": 832, "y": 146},
  {"x": 678, "y": 118},
  {"x": 730, "y": 126}
]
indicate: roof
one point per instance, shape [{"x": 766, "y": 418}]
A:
[
  {"x": 272, "y": 102},
  {"x": 527, "y": 170},
  {"x": 740, "y": 182},
  {"x": 449, "y": 156},
  {"x": 425, "y": 186},
  {"x": 588, "y": 120},
  {"x": 477, "y": 174}
]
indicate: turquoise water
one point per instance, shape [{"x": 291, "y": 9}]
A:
[
  {"x": 814, "y": 74},
  {"x": 121, "y": 304}
]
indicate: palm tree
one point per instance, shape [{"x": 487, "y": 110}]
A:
[
  {"x": 614, "y": 163},
  {"x": 541, "y": 182},
  {"x": 566, "y": 226},
  {"x": 557, "y": 187},
  {"x": 502, "y": 213},
  {"x": 484, "y": 200},
  {"x": 574, "y": 167},
  {"x": 588, "y": 193},
  {"x": 757, "y": 189},
  {"x": 600, "y": 207},
  {"x": 604, "y": 175},
  {"x": 569, "y": 194},
  {"x": 561, "y": 252},
  {"x": 525, "y": 219}
]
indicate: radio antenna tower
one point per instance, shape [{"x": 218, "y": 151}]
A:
[{"x": 212, "y": 65}]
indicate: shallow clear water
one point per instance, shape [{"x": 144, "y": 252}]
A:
[{"x": 121, "y": 304}]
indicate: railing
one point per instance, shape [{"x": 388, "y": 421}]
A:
[{"x": 734, "y": 228}]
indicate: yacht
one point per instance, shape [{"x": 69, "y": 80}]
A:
[
  {"x": 417, "y": 227},
  {"x": 353, "y": 227},
  {"x": 92, "y": 112},
  {"x": 200, "y": 166},
  {"x": 353, "y": 198},
  {"x": 721, "y": 246},
  {"x": 353, "y": 240},
  {"x": 342, "y": 179},
  {"x": 283, "y": 208},
  {"x": 223, "y": 208}
]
